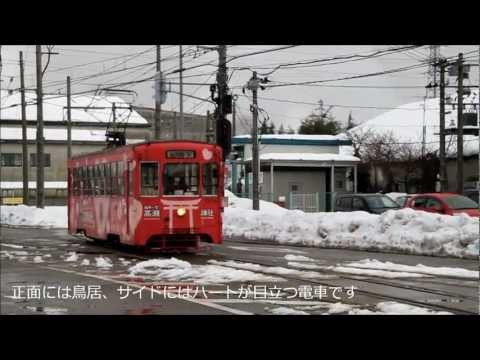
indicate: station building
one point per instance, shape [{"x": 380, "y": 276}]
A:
[{"x": 298, "y": 171}]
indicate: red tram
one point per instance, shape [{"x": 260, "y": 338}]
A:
[{"x": 160, "y": 194}]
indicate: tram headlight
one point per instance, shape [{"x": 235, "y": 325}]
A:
[{"x": 181, "y": 211}]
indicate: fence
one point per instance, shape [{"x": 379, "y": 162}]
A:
[{"x": 313, "y": 202}]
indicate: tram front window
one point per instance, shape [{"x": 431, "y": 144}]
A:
[{"x": 180, "y": 179}]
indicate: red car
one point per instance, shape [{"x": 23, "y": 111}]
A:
[{"x": 444, "y": 203}]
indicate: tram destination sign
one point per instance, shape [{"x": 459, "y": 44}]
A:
[{"x": 181, "y": 154}]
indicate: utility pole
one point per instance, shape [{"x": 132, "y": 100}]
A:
[
  {"x": 114, "y": 117},
  {"x": 234, "y": 115},
  {"x": 443, "y": 169},
  {"x": 460, "y": 125},
  {"x": 181, "y": 92},
  {"x": 158, "y": 103},
  {"x": 432, "y": 74},
  {"x": 24, "y": 132},
  {"x": 40, "y": 140},
  {"x": 69, "y": 118},
  {"x": 253, "y": 85}
]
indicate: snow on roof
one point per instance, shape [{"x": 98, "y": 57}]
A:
[
  {"x": 307, "y": 157},
  {"x": 295, "y": 137},
  {"x": 54, "y": 108},
  {"x": 33, "y": 184},
  {"x": 11, "y": 133},
  {"x": 406, "y": 122}
]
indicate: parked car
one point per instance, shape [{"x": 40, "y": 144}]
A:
[
  {"x": 444, "y": 203},
  {"x": 471, "y": 194},
  {"x": 372, "y": 203},
  {"x": 402, "y": 200}
]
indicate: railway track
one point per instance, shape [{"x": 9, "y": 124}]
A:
[{"x": 447, "y": 297}]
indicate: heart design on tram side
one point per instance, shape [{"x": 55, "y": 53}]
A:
[{"x": 207, "y": 154}]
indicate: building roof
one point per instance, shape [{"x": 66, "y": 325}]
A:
[
  {"x": 54, "y": 108},
  {"x": 307, "y": 157},
  {"x": 294, "y": 139},
  {"x": 15, "y": 133},
  {"x": 406, "y": 123}
]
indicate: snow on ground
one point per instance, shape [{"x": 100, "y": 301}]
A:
[
  {"x": 394, "y": 308},
  {"x": 274, "y": 270},
  {"x": 85, "y": 262},
  {"x": 72, "y": 257},
  {"x": 405, "y": 230},
  {"x": 290, "y": 257},
  {"x": 38, "y": 259},
  {"x": 6, "y": 254},
  {"x": 50, "y": 216},
  {"x": 241, "y": 203},
  {"x": 419, "y": 269},
  {"x": 48, "y": 310},
  {"x": 103, "y": 262},
  {"x": 377, "y": 273},
  {"x": 282, "y": 310},
  {"x": 302, "y": 265},
  {"x": 178, "y": 270},
  {"x": 12, "y": 246}
]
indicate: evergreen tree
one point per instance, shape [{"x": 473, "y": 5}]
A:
[
  {"x": 271, "y": 128},
  {"x": 281, "y": 130},
  {"x": 350, "y": 123},
  {"x": 318, "y": 124},
  {"x": 263, "y": 128}
]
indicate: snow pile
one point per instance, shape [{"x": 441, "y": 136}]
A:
[
  {"x": 377, "y": 273},
  {"x": 72, "y": 258},
  {"x": 240, "y": 203},
  {"x": 394, "y": 308},
  {"x": 103, "y": 262},
  {"x": 38, "y": 259},
  {"x": 178, "y": 270},
  {"x": 50, "y": 216},
  {"x": 286, "y": 311},
  {"x": 85, "y": 262},
  {"x": 291, "y": 257},
  {"x": 404, "y": 230},
  {"x": 418, "y": 269},
  {"x": 274, "y": 270}
]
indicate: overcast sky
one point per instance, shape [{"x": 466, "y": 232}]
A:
[{"x": 128, "y": 63}]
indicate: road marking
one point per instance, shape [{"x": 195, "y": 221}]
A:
[{"x": 207, "y": 303}]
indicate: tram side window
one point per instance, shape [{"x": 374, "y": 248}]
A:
[
  {"x": 180, "y": 179},
  {"x": 108, "y": 179},
  {"x": 149, "y": 178},
  {"x": 114, "y": 178},
  {"x": 120, "y": 178},
  {"x": 130, "y": 178},
  {"x": 210, "y": 179},
  {"x": 101, "y": 178}
]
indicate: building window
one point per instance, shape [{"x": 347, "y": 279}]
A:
[
  {"x": 149, "y": 177},
  {"x": 13, "y": 160},
  {"x": 339, "y": 184},
  {"x": 46, "y": 160}
]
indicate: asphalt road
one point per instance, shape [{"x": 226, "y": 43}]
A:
[{"x": 57, "y": 286}]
